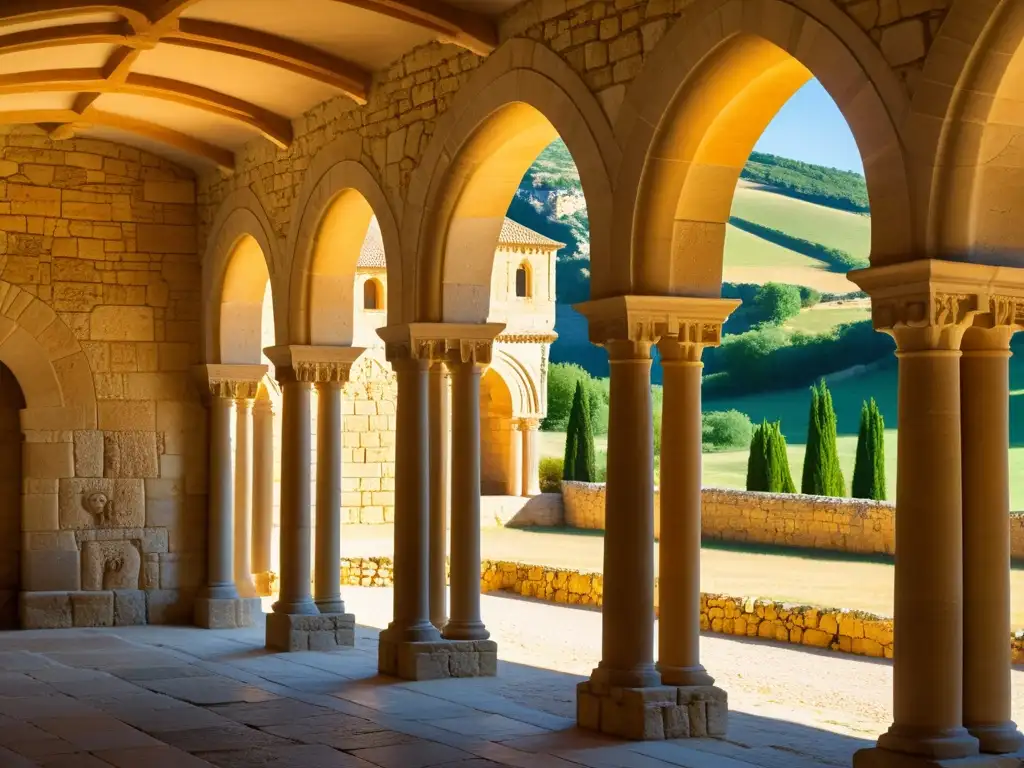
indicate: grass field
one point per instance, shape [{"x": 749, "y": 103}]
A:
[
  {"x": 827, "y": 226},
  {"x": 750, "y": 259},
  {"x": 825, "y": 318}
]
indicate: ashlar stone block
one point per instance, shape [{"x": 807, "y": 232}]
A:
[
  {"x": 129, "y": 607},
  {"x": 651, "y": 714},
  {"x": 92, "y": 609},
  {"x": 213, "y": 613},
  {"x": 109, "y": 565},
  {"x": 101, "y": 503},
  {"x": 319, "y": 632},
  {"x": 46, "y": 610},
  {"x": 437, "y": 660}
]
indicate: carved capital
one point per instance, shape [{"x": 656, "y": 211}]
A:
[
  {"x": 232, "y": 382},
  {"x": 530, "y": 423},
  {"x": 441, "y": 342},
  {"x": 678, "y": 321},
  {"x": 313, "y": 364}
]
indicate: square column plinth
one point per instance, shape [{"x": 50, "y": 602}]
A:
[
  {"x": 654, "y": 713},
  {"x": 438, "y": 659},
  {"x": 877, "y": 757},
  {"x": 310, "y": 632},
  {"x": 227, "y": 613}
]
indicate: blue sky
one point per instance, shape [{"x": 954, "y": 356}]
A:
[{"x": 811, "y": 128}]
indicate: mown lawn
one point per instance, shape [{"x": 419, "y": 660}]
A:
[{"x": 823, "y": 319}]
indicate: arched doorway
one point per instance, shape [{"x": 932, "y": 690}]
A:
[
  {"x": 12, "y": 401},
  {"x": 495, "y": 435}
]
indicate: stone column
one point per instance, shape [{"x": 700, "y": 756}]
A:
[
  {"x": 467, "y": 365},
  {"x": 411, "y": 647},
  {"x": 219, "y": 605},
  {"x": 263, "y": 494},
  {"x": 927, "y": 306},
  {"x": 985, "y": 426},
  {"x": 243, "y": 497},
  {"x": 439, "y": 426},
  {"x": 328, "y": 498},
  {"x": 531, "y": 456},
  {"x": 515, "y": 462},
  {"x": 680, "y": 535}
]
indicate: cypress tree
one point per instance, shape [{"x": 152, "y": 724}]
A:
[
  {"x": 757, "y": 464},
  {"x": 780, "y": 479},
  {"x": 869, "y": 470},
  {"x": 822, "y": 475},
  {"x": 579, "y": 441}
]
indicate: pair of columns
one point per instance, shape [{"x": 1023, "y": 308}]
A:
[
  {"x": 225, "y": 600},
  {"x": 629, "y": 327},
  {"x": 952, "y": 323},
  {"x": 424, "y": 356},
  {"x": 298, "y": 369},
  {"x": 524, "y": 462},
  {"x": 254, "y": 493}
]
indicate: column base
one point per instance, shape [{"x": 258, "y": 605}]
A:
[
  {"x": 330, "y": 606},
  {"x": 653, "y": 714},
  {"x": 304, "y": 632},
  {"x": 437, "y": 660},
  {"x": 266, "y": 583},
  {"x": 227, "y": 613},
  {"x": 1001, "y": 739},
  {"x": 685, "y": 676},
  {"x": 465, "y": 630},
  {"x": 877, "y": 757}
]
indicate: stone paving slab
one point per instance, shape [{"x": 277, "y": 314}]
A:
[{"x": 168, "y": 697}]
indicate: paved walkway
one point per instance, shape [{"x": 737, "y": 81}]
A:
[
  {"x": 827, "y": 580},
  {"x": 164, "y": 697}
]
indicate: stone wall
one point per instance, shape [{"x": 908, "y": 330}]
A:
[
  {"x": 100, "y": 287},
  {"x": 855, "y": 632}
]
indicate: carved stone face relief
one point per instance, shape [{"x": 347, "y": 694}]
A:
[{"x": 95, "y": 502}]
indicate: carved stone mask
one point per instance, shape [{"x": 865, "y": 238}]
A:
[{"x": 95, "y": 503}]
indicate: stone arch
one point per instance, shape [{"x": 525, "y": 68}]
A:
[
  {"x": 524, "y": 391},
  {"x": 694, "y": 113},
  {"x": 47, "y": 360},
  {"x": 521, "y": 98},
  {"x": 241, "y": 257},
  {"x": 338, "y": 200},
  {"x": 968, "y": 113}
]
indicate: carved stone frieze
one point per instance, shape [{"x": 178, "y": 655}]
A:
[
  {"x": 230, "y": 381},
  {"x": 441, "y": 342},
  {"x": 319, "y": 372},
  {"x": 527, "y": 338},
  {"x": 233, "y": 389}
]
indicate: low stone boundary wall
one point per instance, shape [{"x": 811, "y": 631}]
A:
[
  {"x": 785, "y": 520},
  {"x": 846, "y": 631}
]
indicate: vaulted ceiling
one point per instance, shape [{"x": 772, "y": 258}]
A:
[{"x": 197, "y": 79}]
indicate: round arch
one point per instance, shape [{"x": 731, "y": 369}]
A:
[
  {"x": 524, "y": 391},
  {"x": 338, "y": 200},
  {"x": 241, "y": 258},
  {"x": 521, "y": 99},
  {"x": 691, "y": 118},
  {"x": 970, "y": 117}
]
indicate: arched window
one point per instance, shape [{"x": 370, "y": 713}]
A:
[
  {"x": 523, "y": 281},
  {"x": 373, "y": 294}
]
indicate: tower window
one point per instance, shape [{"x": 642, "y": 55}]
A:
[
  {"x": 523, "y": 281},
  {"x": 373, "y": 294}
]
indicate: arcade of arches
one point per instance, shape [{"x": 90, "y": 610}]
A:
[{"x": 190, "y": 153}]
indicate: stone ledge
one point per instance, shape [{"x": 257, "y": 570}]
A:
[
  {"x": 652, "y": 714},
  {"x": 316, "y": 632},
  {"x": 437, "y": 660},
  {"x": 234, "y": 613}
]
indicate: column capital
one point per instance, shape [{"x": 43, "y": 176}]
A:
[
  {"x": 230, "y": 381},
  {"x": 529, "y": 423},
  {"x": 680, "y": 325},
  {"x": 441, "y": 342},
  {"x": 929, "y": 304},
  {"x": 313, "y": 364}
]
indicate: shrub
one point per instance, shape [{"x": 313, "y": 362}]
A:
[
  {"x": 777, "y": 302},
  {"x": 551, "y": 475},
  {"x": 808, "y": 296},
  {"x": 724, "y": 430},
  {"x": 579, "y": 441},
  {"x": 768, "y": 464},
  {"x": 757, "y": 462},
  {"x": 869, "y": 469},
  {"x": 822, "y": 474},
  {"x": 562, "y": 381}
]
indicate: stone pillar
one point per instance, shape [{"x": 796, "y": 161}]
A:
[
  {"x": 327, "y": 580},
  {"x": 515, "y": 462},
  {"x": 411, "y": 647},
  {"x": 243, "y": 497},
  {"x": 680, "y": 530},
  {"x": 219, "y": 605},
  {"x": 985, "y": 427},
  {"x": 625, "y": 695},
  {"x": 927, "y": 306},
  {"x": 531, "y": 456},
  {"x": 439, "y": 426},
  {"x": 263, "y": 495},
  {"x": 297, "y": 624},
  {"x": 467, "y": 366}
]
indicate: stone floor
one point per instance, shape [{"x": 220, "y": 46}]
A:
[{"x": 159, "y": 697}]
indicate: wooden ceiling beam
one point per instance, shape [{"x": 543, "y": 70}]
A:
[
  {"x": 112, "y": 33},
  {"x": 471, "y": 31},
  {"x": 275, "y": 127},
  {"x": 21, "y": 11},
  {"x": 63, "y": 124},
  {"x": 254, "y": 45}
]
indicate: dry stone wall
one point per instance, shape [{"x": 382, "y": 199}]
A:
[{"x": 100, "y": 281}]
